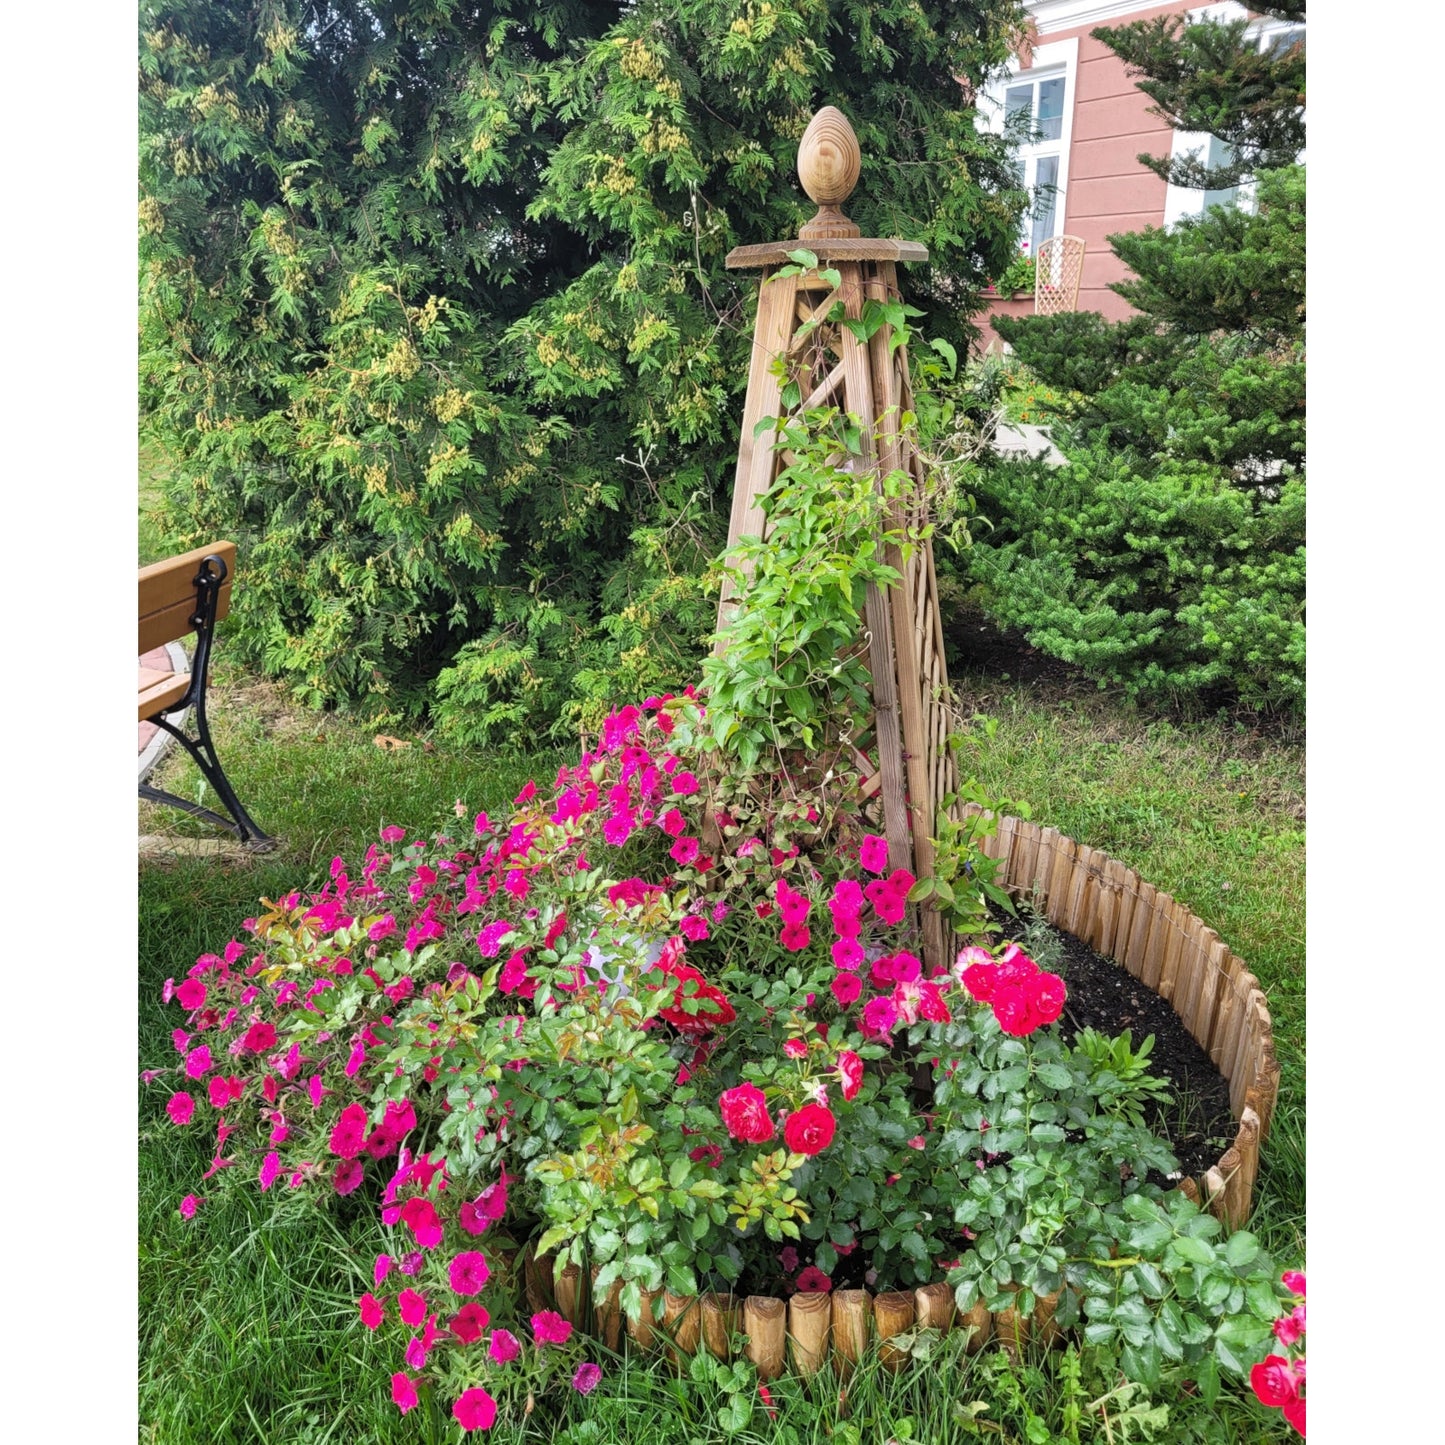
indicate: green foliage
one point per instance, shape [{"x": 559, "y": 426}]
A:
[
  {"x": 1168, "y": 555},
  {"x": 1018, "y": 276},
  {"x": 415, "y": 277},
  {"x": 1205, "y": 76}
]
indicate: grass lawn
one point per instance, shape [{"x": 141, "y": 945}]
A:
[{"x": 248, "y": 1325}]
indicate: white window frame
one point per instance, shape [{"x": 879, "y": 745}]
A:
[
  {"x": 1059, "y": 59},
  {"x": 1178, "y": 202}
]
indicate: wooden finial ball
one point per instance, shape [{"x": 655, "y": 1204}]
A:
[{"x": 829, "y": 158}]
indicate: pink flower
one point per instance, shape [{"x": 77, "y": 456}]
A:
[
  {"x": 270, "y": 1168},
  {"x": 810, "y": 1130},
  {"x": 1289, "y": 1328},
  {"x": 850, "y": 1070},
  {"x": 846, "y": 989},
  {"x": 349, "y": 1135},
  {"x": 489, "y": 940},
  {"x": 745, "y": 1113},
  {"x": 505, "y": 1346},
  {"x": 873, "y": 853},
  {"x": 684, "y": 783},
  {"x": 420, "y": 1216},
  {"x": 879, "y": 1017},
  {"x": 475, "y": 1409},
  {"x": 180, "y": 1107},
  {"x": 191, "y": 994},
  {"x": 847, "y": 954},
  {"x": 586, "y": 1378},
  {"x": 788, "y": 1257},
  {"x": 1294, "y": 1281},
  {"x": 372, "y": 1310},
  {"x": 549, "y": 1328},
  {"x": 188, "y": 1206},
  {"x": 198, "y": 1063},
  {"x": 348, "y": 1176},
  {"x": 813, "y": 1281},
  {"x": 416, "y": 1352},
  {"x": 412, "y": 1307},
  {"x": 403, "y": 1391},
  {"x": 384, "y": 927},
  {"x": 381, "y": 1268},
  {"x": 796, "y": 1049},
  {"x": 392, "y": 834},
  {"x": 469, "y": 1272},
  {"x": 795, "y": 937},
  {"x": 1275, "y": 1381},
  {"x": 684, "y": 851},
  {"x": 694, "y": 927},
  {"x": 469, "y": 1322},
  {"x": 259, "y": 1037}
]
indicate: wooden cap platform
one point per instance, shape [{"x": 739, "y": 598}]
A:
[{"x": 828, "y": 165}]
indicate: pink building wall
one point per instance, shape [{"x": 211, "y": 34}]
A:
[{"x": 1108, "y": 190}]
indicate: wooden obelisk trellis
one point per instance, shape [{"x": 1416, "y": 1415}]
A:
[{"x": 870, "y": 379}]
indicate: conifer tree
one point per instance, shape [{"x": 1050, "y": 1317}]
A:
[
  {"x": 435, "y": 323},
  {"x": 1167, "y": 557}
]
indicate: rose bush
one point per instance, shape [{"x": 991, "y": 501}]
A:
[{"x": 678, "y": 1029}]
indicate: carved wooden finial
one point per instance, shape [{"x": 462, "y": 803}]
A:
[{"x": 828, "y": 164}]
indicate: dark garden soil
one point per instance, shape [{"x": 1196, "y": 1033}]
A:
[{"x": 1106, "y": 997}]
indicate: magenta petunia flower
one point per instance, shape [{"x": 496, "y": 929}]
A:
[
  {"x": 348, "y": 1176},
  {"x": 873, "y": 853},
  {"x": 372, "y": 1310},
  {"x": 469, "y": 1272},
  {"x": 392, "y": 834},
  {"x": 504, "y": 1346},
  {"x": 469, "y": 1322},
  {"x": 684, "y": 783},
  {"x": 847, "y": 954},
  {"x": 191, "y": 994},
  {"x": 813, "y": 1281},
  {"x": 475, "y": 1409},
  {"x": 795, "y": 937},
  {"x": 846, "y": 988},
  {"x": 270, "y": 1168},
  {"x": 586, "y": 1378},
  {"x": 180, "y": 1107},
  {"x": 411, "y": 1306},
  {"x": 879, "y": 1016},
  {"x": 549, "y": 1328},
  {"x": 489, "y": 940},
  {"x": 403, "y": 1391},
  {"x": 684, "y": 851},
  {"x": 188, "y": 1205},
  {"x": 416, "y": 1352},
  {"x": 198, "y": 1063},
  {"x": 381, "y": 1268}
]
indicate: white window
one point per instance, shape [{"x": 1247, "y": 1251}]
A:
[{"x": 1043, "y": 96}]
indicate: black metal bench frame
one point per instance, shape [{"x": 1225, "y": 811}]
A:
[{"x": 209, "y": 577}]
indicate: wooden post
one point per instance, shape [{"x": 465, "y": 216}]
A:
[
  {"x": 979, "y": 1323},
  {"x": 892, "y": 1314},
  {"x": 719, "y": 1321},
  {"x": 642, "y": 1329},
  {"x": 851, "y": 1310},
  {"x": 681, "y": 1322},
  {"x": 810, "y": 1317},
  {"x": 568, "y": 1289},
  {"x": 766, "y": 1326},
  {"x": 934, "y": 1308},
  {"x": 607, "y": 1313}
]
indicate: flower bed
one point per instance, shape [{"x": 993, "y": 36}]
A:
[{"x": 663, "y": 1025}]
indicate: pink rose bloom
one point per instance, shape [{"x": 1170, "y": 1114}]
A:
[
  {"x": 745, "y": 1113},
  {"x": 795, "y": 1049},
  {"x": 1294, "y": 1281},
  {"x": 810, "y": 1130}
]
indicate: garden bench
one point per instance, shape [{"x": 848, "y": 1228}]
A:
[{"x": 179, "y": 596}]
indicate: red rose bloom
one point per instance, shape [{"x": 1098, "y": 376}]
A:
[
  {"x": 810, "y": 1130},
  {"x": 745, "y": 1113}
]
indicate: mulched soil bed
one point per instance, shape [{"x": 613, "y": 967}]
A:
[{"x": 1105, "y": 997}]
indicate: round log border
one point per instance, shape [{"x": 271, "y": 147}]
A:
[{"x": 1161, "y": 943}]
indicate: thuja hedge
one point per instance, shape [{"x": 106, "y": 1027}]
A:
[
  {"x": 1168, "y": 555},
  {"x": 435, "y": 324}
]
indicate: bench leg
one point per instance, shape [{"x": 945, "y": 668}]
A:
[{"x": 203, "y": 751}]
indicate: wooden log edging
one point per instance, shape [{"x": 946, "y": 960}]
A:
[{"x": 1172, "y": 953}]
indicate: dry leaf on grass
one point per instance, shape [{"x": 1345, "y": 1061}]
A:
[{"x": 387, "y": 744}]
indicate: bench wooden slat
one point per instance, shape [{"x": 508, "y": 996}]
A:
[
  {"x": 159, "y": 690},
  {"x": 167, "y": 594}
]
